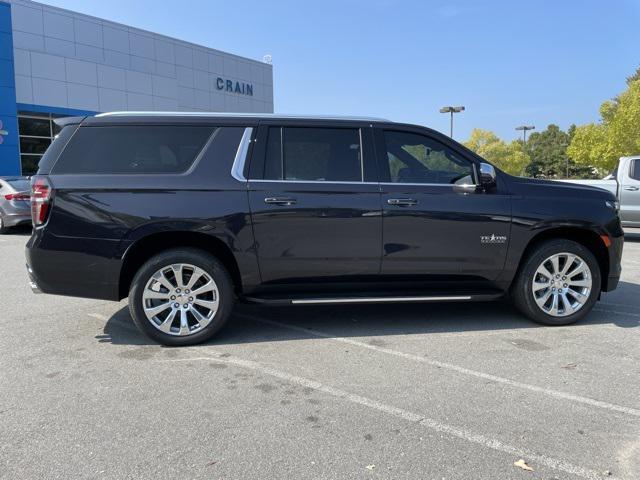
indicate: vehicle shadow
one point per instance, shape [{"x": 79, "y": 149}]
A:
[
  {"x": 20, "y": 230},
  {"x": 255, "y": 323}
]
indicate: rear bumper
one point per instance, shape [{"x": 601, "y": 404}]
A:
[
  {"x": 72, "y": 266},
  {"x": 13, "y": 220}
]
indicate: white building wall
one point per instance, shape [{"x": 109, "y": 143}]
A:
[{"x": 69, "y": 60}]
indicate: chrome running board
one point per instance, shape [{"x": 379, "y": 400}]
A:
[{"x": 316, "y": 301}]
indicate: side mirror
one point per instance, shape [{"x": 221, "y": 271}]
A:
[{"x": 487, "y": 176}]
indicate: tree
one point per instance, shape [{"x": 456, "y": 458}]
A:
[
  {"x": 548, "y": 152},
  {"x": 616, "y": 135},
  {"x": 509, "y": 157}
]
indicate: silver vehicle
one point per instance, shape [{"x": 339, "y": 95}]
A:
[
  {"x": 624, "y": 183},
  {"x": 15, "y": 208}
]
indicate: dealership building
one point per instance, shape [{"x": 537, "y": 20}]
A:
[{"x": 55, "y": 62}]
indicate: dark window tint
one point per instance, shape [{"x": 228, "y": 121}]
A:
[
  {"x": 635, "y": 169},
  {"x": 132, "y": 149},
  {"x": 414, "y": 158},
  {"x": 40, "y": 127},
  {"x": 313, "y": 154},
  {"x": 34, "y": 145}
]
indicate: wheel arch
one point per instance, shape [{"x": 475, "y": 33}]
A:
[
  {"x": 584, "y": 236},
  {"x": 148, "y": 246}
]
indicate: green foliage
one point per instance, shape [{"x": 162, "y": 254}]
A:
[
  {"x": 509, "y": 157},
  {"x": 548, "y": 153},
  {"x": 618, "y": 134}
]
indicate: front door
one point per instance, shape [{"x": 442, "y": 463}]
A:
[
  {"x": 630, "y": 194},
  {"x": 316, "y": 216},
  {"x": 437, "y": 224}
]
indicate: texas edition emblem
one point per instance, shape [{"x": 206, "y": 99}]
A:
[{"x": 493, "y": 238}]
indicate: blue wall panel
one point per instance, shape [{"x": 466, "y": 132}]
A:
[{"x": 9, "y": 148}]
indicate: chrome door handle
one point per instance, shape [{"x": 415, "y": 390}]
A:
[
  {"x": 280, "y": 201},
  {"x": 402, "y": 202},
  {"x": 632, "y": 189}
]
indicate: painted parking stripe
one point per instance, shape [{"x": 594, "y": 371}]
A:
[
  {"x": 531, "y": 457},
  {"x": 465, "y": 371}
]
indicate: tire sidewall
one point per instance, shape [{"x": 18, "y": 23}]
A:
[
  {"x": 524, "y": 294},
  {"x": 194, "y": 257}
]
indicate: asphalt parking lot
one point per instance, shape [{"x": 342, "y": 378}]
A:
[{"x": 396, "y": 391}]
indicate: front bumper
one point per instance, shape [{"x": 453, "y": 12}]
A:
[{"x": 615, "y": 264}]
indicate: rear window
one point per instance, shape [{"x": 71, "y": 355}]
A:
[
  {"x": 20, "y": 185},
  {"x": 132, "y": 149}
]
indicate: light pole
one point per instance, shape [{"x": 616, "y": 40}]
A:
[
  {"x": 451, "y": 110},
  {"x": 525, "y": 129}
]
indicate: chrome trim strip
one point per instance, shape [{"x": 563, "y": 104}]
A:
[
  {"x": 237, "y": 169},
  {"x": 464, "y": 185},
  {"x": 311, "y": 181},
  {"x": 265, "y": 116},
  {"x": 312, "y": 301}
]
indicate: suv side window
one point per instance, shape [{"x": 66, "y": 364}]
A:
[
  {"x": 132, "y": 149},
  {"x": 415, "y": 158},
  {"x": 634, "y": 171},
  {"x": 313, "y": 154}
]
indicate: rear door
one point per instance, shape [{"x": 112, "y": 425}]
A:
[
  {"x": 438, "y": 225},
  {"x": 315, "y": 203},
  {"x": 630, "y": 194}
]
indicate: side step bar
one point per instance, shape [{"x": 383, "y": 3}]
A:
[
  {"x": 333, "y": 301},
  {"x": 378, "y": 299}
]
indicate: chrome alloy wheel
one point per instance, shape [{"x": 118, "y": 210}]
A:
[
  {"x": 562, "y": 284},
  {"x": 180, "y": 299}
]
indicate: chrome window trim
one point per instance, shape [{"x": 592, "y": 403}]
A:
[
  {"x": 463, "y": 185},
  {"x": 312, "y": 181},
  {"x": 237, "y": 169}
]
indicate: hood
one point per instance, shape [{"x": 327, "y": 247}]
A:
[{"x": 554, "y": 188}]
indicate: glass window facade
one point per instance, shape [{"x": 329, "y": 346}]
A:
[{"x": 36, "y": 132}]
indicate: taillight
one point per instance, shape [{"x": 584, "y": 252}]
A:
[
  {"x": 40, "y": 199},
  {"x": 17, "y": 196}
]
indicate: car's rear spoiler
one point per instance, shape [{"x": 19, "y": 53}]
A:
[{"x": 64, "y": 121}]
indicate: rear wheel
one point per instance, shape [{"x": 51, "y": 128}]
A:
[
  {"x": 181, "y": 297},
  {"x": 558, "y": 283}
]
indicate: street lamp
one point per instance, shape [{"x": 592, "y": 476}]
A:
[
  {"x": 451, "y": 110},
  {"x": 524, "y": 129}
]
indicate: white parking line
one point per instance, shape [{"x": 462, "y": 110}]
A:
[
  {"x": 465, "y": 371},
  {"x": 531, "y": 457}
]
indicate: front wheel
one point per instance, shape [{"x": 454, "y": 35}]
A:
[
  {"x": 558, "y": 283},
  {"x": 181, "y": 297}
]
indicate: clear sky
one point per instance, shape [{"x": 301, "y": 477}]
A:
[{"x": 509, "y": 62}]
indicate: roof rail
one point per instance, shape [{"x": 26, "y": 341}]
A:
[{"x": 241, "y": 115}]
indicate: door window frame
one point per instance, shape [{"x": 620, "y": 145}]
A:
[
  {"x": 383, "y": 159},
  {"x": 368, "y": 164}
]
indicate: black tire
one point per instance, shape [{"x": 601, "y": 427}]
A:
[
  {"x": 522, "y": 292},
  {"x": 200, "y": 259},
  {"x": 3, "y": 228}
]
